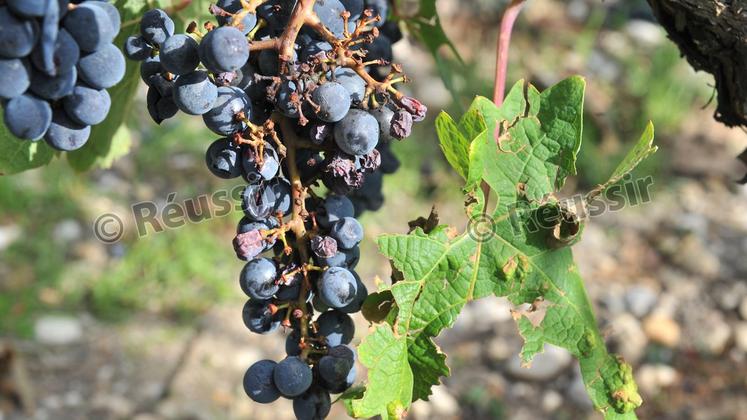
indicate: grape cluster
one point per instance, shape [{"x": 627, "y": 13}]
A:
[
  {"x": 304, "y": 98},
  {"x": 57, "y": 61}
]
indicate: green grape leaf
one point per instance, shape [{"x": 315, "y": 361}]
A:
[
  {"x": 642, "y": 150},
  {"x": 523, "y": 151},
  {"x": 20, "y": 155},
  {"x": 426, "y": 26},
  {"x": 454, "y": 145},
  {"x": 389, "y": 391},
  {"x": 102, "y": 154}
]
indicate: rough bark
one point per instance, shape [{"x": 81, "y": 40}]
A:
[{"x": 712, "y": 35}]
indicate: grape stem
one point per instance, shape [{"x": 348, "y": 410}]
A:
[
  {"x": 300, "y": 14},
  {"x": 304, "y": 15},
  {"x": 504, "y": 40},
  {"x": 298, "y": 225},
  {"x": 285, "y": 42},
  {"x": 501, "y": 71}
]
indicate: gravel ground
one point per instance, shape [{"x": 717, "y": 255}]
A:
[{"x": 668, "y": 279}]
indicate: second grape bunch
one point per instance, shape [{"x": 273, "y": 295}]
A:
[
  {"x": 57, "y": 61},
  {"x": 304, "y": 98}
]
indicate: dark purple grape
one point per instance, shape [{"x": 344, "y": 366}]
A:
[
  {"x": 259, "y": 384},
  {"x": 258, "y": 317},
  {"x": 357, "y": 133},
  {"x": 337, "y": 287},
  {"x": 333, "y": 102},
  {"x": 258, "y": 201},
  {"x": 337, "y": 328},
  {"x": 224, "y": 49},
  {"x": 335, "y": 366},
  {"x": 179, "y": 54},
  {"x": 315, "y": 404},
  {"x": 222, "y": 159},
  {"x": 258, "y": 279},
  {"x": 156, "y": 26},
  {"x": 27, "y": 117},
  {"x": 229, "y": 111},
  {"x": 292, "y": 376}
]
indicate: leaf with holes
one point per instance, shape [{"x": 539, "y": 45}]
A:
[{"x": 523, "y": 151}]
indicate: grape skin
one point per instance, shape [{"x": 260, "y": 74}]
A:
[
  {"x": 329, "y": 12},
  {"x": 355, "y": 7},
  {"x": 292, "y": 343},
  {"x": 315, "y": 404},
  {"x": 244, "y": 77},
  {"x": 357, "y": 133},
  {"x": 136, "y": 48},
  {"x": 150, "y": 67},
  {"x": 14, "y": 77},
  {"x": 258, "y": 279},
  {"x": 48, "y": 36},
  {"x": 233, "y": 6},
  {"x": 270, "y": 166},
  {"x": 352, "y": 82},
  {"x": 111, "y": 12},
  {"x": 246, "y": 226},
  {"x": 222, "y": 117},
  {"x": 380, "y": 49},
  {"x": 102, "y": 69},
  {"x": 283, "y": 200},
  {"x": 337, "y": 327},
  {"x": 17, "y": 37},
  {"x": 222, "y": 159},
  {"x": 259, "y": 384},
  {"x": 86, "y": 105},
  {"x": 53, "y": 88},
  {"x": 90, "y": 26},
  {"x": 335, "y": 366},
  {"x": 156, "y": 26},
  {"x": 288, "y": 293},
  {"x": 27, "y": 117},
  {"x": 333, "y": 101},
  {"x": 339, "y": 387},
  {"x": 65, "y": 55},
  {"x": 224, "y": 49},
  {"x": 337, "y": 260},
  {"x": 194, "y": 94},
  {"x": 258, "y": 317},
  {"x": 379, "y": 8},
  {"x": 160, "y": 108},
  {"x": 338, "y": 287},
  {"x": 384, "y": 116},
  {"x": 315, "y": 48},
  {"x": 27, "y": 8},
  {"x": 285, "y": 105},
  {"x": 66, "y": 135},
  {"x": 179, "y": 54},
  {"x": 360, "y": 297},
  {"x": 348, "y": 232},
  {"x": 334, "y": 208},
  {"x": 292, "y": 376},
  {"x": 258, "y": 201}
]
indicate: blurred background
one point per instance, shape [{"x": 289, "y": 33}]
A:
[{"x": 149, "y": 328}]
